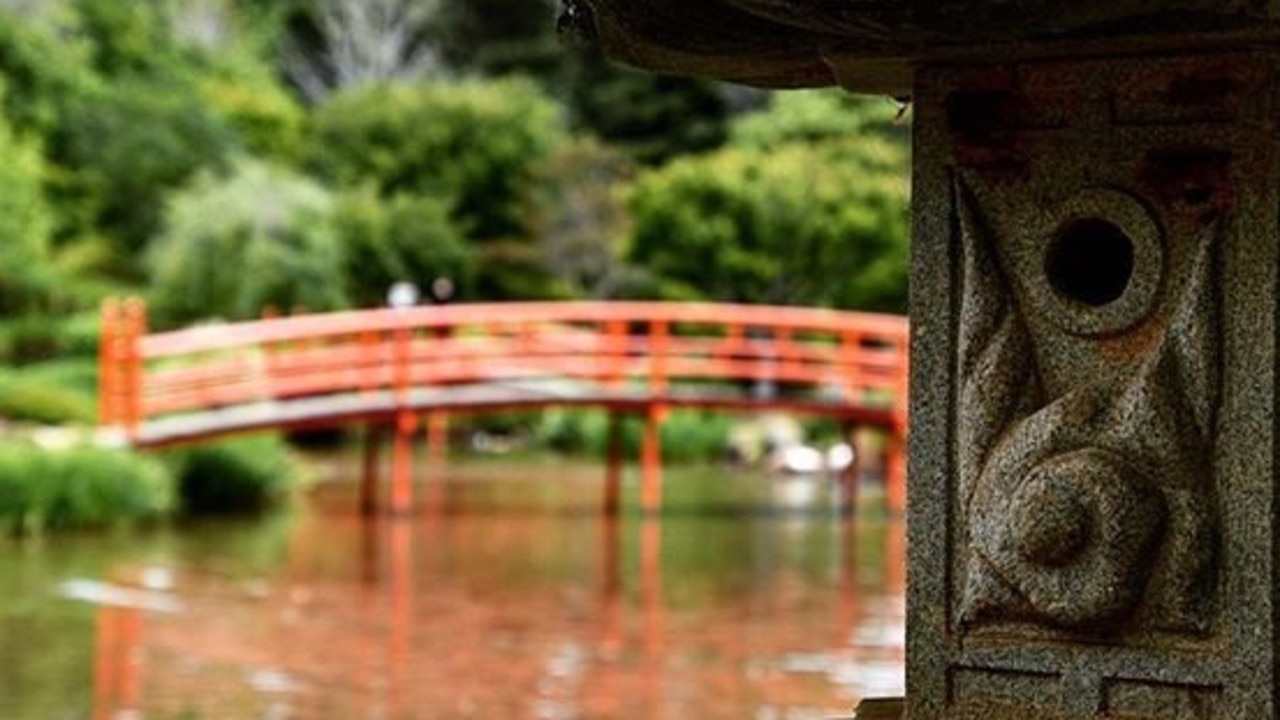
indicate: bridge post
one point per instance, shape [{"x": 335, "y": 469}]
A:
[
  {"x": 402, "y": 463},
  {"x": 651, "y": 460},
  {"x": 109, "y": 364},
  {"x": 852, "y": 473},
  {"x": 369, "y": 474},
  {"x": 135, "y": 326},
  {"x": 895, "y": 470},
  {"x": 117, "y": 682},
  {"x": 436, "y": 498},
  {"x": 613, "y": 471}
]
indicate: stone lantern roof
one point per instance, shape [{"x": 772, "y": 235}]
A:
[{"x": 871, "y": 45}]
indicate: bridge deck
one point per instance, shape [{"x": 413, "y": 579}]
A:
[{"x": 384, "y": 405}]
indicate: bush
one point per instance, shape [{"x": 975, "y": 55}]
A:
[
  {"x": 36, "y": 338},
  {"x": 78, "y": 488},
  {"x": 44, "y": 67},
  {"x": 405, "y": 237},
  {"x": 241, "y": 476},
  {"x": 815, "y": 116},
  {"x": 475, "y": 143},
  {"x": 26, "y": 271},
  {"x": 233, "y": 245},
  {"x": 126, "y": 144},
  {"x": 822, "y": 224},
  {"x": 267, "y": 121},
  {"x": 577, "y": 214}
]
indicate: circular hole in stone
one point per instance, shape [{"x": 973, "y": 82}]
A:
[{"x": 1090, "y": 261}]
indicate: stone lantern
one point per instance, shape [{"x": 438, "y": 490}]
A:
[{"x": 1092, "y": 494}]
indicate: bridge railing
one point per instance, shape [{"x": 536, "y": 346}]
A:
[{"x": 640, "y": 349}]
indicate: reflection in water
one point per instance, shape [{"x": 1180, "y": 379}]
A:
[{"x": 483, "y": 611}]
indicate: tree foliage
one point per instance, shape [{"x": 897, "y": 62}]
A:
[
  {"x": 234, "y": 245},
  {"x": 813, "y": 116},
  {"x": 124, "y": 146},
  {"x": 405, "y": 237},
  {"x": 172, "y": 125},
  {"x": 337, "y": 45},
  {"x": 807, "y": 224},
  {"x": 578, "y": 217},
  {"x": 26, "y": 272},
  {"x": 653, "y": 117},
  {"x": 473, "y": 142}
]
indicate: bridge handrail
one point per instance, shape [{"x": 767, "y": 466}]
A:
[
  {"x": 218, "y": 336},
  {"x": 395, "y": 350}
]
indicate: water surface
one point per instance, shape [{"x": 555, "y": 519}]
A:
[{"x": 509, "y": 598}]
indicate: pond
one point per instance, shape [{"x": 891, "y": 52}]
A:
[{"x": 513, "y": 598}]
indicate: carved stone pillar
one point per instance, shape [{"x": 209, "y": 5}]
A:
[{"x": 1094, "y": 302}]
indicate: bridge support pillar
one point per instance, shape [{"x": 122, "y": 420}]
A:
[
  {"x": 402, "y": 463},
  {"x": 851, "y": 473},
  {"x": 651, "y": 461},
  {"x": 369, "y": 470},
  {"x": 117, "y": 682},
  {"x": 435, "y": 498},
  {"x": 613, "y": 471},
  {"x": 895, "y": 471}
]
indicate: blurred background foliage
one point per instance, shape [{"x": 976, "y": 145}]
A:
[
  {"x": 339, "y": 145},
  {"x": 220, "y": 156}
]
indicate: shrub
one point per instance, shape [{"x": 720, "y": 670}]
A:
[
  {"x": 233, "y": 245},
  {"x": 240, "y": 476},
  {"x": 127, "y": 143},
  {"x": 78, "y": 488},
  {"x": 25, "y": 221},
  {"x": 405, "y": 237},
  {"x": 267, "y": 121},
  {"x": 577, "y": 214},
  {"x": 473, "y": 142},
  {"x": 814, "y": 116},
  {"x": 44, "y": 67},
  {"x": 822, "y": 224},
  {"x": 35, "y": 338}
]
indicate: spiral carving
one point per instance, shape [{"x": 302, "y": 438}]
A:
[
  {"x": 1074, "y": 535},
  {"x": 1093, "y": 508}
]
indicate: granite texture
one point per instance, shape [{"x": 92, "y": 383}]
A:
[{"x": 1093, "y": 303}]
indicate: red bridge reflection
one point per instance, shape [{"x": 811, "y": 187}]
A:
[{"x": 383, "y": 627}]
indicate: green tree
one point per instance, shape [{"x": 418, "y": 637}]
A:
[
  {"x": 406, "y": 237},
  {"x": 26, "y": 269},
  {"x": 812, "y": 116},
  {"x": 578, "y": 217},
  {"x": 653, "y": 117},
  {"x": 44, "y": 64},
  {"x": 822, "y": 224},
  {"x": 473, "y": 142},
  {"x": 233, "y": 245},
  {"x": 499, "y": 37},
  {"x": 123, "y": 146}
]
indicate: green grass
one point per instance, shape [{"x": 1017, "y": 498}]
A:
[
  {"x": 43, "y": 490},
  {"x": 42, "y": 396}
]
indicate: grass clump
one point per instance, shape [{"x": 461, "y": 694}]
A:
[
  {"x": 25, "y": 396},
  {"x": 84, "y": 487},
  {"x": 241, "y": 476}
]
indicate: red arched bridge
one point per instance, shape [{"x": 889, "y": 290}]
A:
[{"x": 392, "y": 366}]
